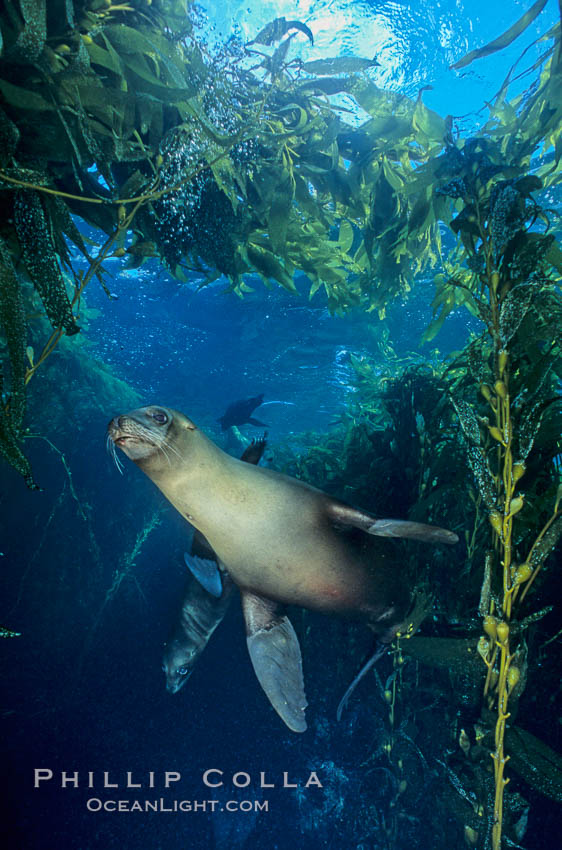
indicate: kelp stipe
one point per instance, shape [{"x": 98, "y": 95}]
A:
[{"x": 510, "y": 276}]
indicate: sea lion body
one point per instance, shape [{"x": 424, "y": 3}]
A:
[
  {"x": 274, "y": 534},
  {"x": 280, "y": 541},
  {"x": 284, "y": 545}
]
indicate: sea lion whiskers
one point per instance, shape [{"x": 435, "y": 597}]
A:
[
  {"x": 159, "y": 440},
  {"x": 169, "y": 446},
  {"x": 137, "y": 429},
  {"x": 165, "y": 447},
  {"x": 162, "y": 448},
  {"x": 110, "y": 445}
]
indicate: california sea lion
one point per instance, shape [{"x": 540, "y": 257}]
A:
[
  {"x": 200, "y": 614},
  {"x": 281, "y": 541},
  {"x": 240, "y": 413},
  {"x": 201, "y": 611}
]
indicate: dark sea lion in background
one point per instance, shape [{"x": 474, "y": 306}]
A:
[
  {"x": 281, "y": 541},
  {"x": 240, "y": 413},
  {"x": 200, "y": 614},
  {"x": 201, "y": 611}
]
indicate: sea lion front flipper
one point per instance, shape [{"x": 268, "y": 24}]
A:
[
  {"x": 201, "y": 548},
  {"x": 206, "y": 572},
  {"x": 276, "y": 657},
  {"x": 254, "y": 452},
  {"x": 347, "y": 515},
  {"x": 257, "y": 422}
]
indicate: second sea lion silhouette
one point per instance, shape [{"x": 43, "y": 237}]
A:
[{"x": 240, "y": 413}]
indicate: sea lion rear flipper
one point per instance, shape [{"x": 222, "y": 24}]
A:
[
  {"x": 206, "y": 572},
  {"x": 276, "y": 657},
  {"x": 347, "y": 515},
  {"x": 257, "y": 422}
]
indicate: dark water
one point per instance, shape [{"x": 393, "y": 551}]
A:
[{"x": 83, "y": 687}]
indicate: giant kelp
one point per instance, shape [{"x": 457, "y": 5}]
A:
[
  {"x": 237, "y": 164},
  {"x": 496, "y": 410},
  {"x": 509, "y": 269},
  {"x": 116, "y": 113},
  {"x": 397, "y": 451}
]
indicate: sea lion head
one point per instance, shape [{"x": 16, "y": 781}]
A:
[
  {"x": 179, "y": 660},
  {"x": 149, "y": 434}
]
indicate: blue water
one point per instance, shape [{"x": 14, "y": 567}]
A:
[{"x": 83, "y": 686}]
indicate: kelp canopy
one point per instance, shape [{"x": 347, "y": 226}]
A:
[{"x": 230, "y": 163}]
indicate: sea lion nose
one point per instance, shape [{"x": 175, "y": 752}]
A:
[{"x": 115, "y": 423}]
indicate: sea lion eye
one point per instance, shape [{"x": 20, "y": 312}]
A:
[
  {"x": 160, "y": 417},
  {"x": 182, "y": 671}
]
